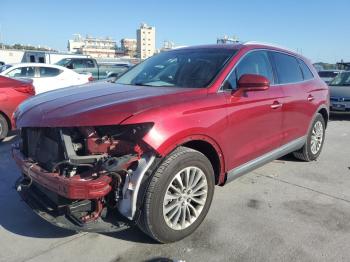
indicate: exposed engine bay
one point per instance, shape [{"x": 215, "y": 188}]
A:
[{"x": 86, "y": 174}]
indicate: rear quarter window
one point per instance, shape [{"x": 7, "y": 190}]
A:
[
  {"x": 306, "y": 70},
  {"x": 288, "y": 69},
  {"x": 49, "y": 72}
]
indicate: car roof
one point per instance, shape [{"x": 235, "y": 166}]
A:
[
  {"x": 211, "y": 46},
  {"x": 37, "y": 65},
  {"x": 241, "y": 45}
]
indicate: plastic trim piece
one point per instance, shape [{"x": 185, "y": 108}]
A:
[
  {"x": 266, "y": 158},
  {"x": 127, "y": 205}
]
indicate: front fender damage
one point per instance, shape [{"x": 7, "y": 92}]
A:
[{"x": 84, "y": 179}]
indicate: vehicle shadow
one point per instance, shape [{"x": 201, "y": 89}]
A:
[
  {"x": 133, "y": 234},
  {"x": 288, "y": 158},
  {"x": 339, "y": 116},
  {"x": 16, "y": 217}
]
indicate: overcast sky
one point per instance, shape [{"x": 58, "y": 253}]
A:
[{"x": 318, "y": 29}]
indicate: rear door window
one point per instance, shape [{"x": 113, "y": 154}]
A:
[
  {"x": 287, "y": 68},
  {"x": 49, "y": 72},
  {"x": 78, "y": 64},
  {"x": 89, "y": 63}
]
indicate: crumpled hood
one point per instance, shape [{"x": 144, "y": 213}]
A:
[
  {"x": 340, "y": 91},
  {"x": 94, "y": 104}
]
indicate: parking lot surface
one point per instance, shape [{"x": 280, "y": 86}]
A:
[{"x": 285, "y": 211}]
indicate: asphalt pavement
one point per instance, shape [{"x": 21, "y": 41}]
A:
[{"x": 285, "y": 211}]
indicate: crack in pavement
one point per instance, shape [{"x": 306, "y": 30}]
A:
[
  {"x": 304, "y": 187},
  {"x": 38, "y": 254}
]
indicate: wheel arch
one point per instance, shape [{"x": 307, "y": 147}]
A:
[
  {"x": 207, "y": 147},
  {"x": 324, "y": 111},
  {"x": 325, "y": 114}
]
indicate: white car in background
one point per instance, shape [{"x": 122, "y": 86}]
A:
[{"x": 45, "y": 77}]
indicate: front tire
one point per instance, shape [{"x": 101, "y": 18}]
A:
[
  {"x": 4, "y": 128},
  {"x": 178, "y": 197},
  {"x": 314, "y": 141}
]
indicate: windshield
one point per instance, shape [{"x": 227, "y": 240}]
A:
[
  {"x": 342, "y": 79},
  {"x": 179, "y": 68},
  {"x": 63, "y": 62},
  {"x": 4, "y": 67}
]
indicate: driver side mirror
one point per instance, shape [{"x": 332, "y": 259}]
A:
[{"x": 251, "y": 82}]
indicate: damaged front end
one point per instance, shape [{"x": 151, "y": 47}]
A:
[{"x": 84, "y": 178}]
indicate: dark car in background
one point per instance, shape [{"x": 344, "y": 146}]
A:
[
  {"x": 328, "y": 75},
  {"x": 12, "y": 93},
  {"x": 340, "y": 92}
]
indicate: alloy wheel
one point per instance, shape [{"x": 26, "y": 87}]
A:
[
  {"x": 316, "y": 137},
  {"x": 185, "y": 198}
]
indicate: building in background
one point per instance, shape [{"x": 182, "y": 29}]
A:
[
  {"x": 129, "y": 47},
  {"x": 146, "y": 41},
  {"x": 92, "y": 46},
  {"x": 169, "y": 45},
  {"x": 227, "y": 40}
]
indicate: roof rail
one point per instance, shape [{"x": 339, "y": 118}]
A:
[{"x": 267, "y": 44}]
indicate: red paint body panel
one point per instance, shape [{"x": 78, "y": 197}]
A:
[
  {"x": 240, "y": 125},
  {"x": 76, "y": 187},
  {"x": 10, "y": 98},
  {"x": 255, "y": 127}
]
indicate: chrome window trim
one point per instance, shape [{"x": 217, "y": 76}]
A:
[{"x": 221, "y": 88}]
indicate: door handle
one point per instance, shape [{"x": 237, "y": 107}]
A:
[
  {"x": 276, "y": 105},
  {"x": 310, "y": 98}
]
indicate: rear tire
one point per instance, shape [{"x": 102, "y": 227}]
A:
[
  {"x": 314, "y": 141},
  {"x": 4, "y": 128},
  {"x": 178, "y": 197}
]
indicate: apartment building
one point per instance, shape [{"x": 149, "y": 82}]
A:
[
  {"x": 92, "y": 46},
  {"x": 146, "y": 41},
  {"x": 129, "y": 47}
]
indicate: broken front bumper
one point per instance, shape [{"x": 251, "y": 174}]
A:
[
  {"x": 76, "y": 187},
  {"x": 63, "y": 215}
]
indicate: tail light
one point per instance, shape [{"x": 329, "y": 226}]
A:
[
  {"x": 27, "y": 89},
  {"x": 90, "y": 78}
]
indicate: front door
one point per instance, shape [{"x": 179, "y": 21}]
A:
[{"x": 254, "y": 117}]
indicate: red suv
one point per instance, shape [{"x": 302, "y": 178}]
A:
[{"x": 149, "y": 148}]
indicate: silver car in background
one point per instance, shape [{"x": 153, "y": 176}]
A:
[{"x": 340, "y": 92}]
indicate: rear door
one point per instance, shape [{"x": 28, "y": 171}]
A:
[
  {"x": 47, "y": 79},
  {"x": 255, "y": 117},
  {"x": 297, "y": 101}
]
